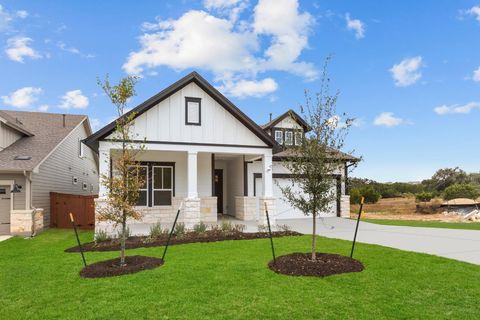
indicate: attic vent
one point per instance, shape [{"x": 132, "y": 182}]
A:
[
  {"x": 18, "y": 121},
  {"x": 22, "y": 158}
]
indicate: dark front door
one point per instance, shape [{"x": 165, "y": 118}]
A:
[{"x": 219, "y": 189}]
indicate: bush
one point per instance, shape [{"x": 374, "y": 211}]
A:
[
  {"x": 102, "y": 235},
  {"x": 368, "y": 192},
  {"x": 239, "y": 228},
  {"x": 262, "y": 228},
  {"x": 424, "y": 196},
  {"x": 461, "y": 190},
  {"x": 179, "y": 229},
  {"x": 155, "y": 231},
  {"x": 226, "y": 227},
  {"x": 283, "y": 227},
  {"x": 200, "y": 228},
  {"x": 355, "y": 196}
]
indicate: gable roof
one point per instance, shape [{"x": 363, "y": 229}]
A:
[
  {"x": 14, "y": 123},
  {"x": 92, "y": 141},
  {"x": 289, "y": 113},
  {"x": 47, "y": 133}
]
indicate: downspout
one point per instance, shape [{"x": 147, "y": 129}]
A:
[{"x": 28, "y": 199}]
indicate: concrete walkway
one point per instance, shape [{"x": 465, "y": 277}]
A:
[
  {"x": 2, "y": 238},
  {"x": 463, "y": 245}
]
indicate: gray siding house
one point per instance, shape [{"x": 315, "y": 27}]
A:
[{"x": 41, "y": 153}]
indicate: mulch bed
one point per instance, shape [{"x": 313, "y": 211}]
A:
[
  {"x": 191, "y": 237},
  {"x": 111, "y": 268},
  {"x": 326, "y": 264}
]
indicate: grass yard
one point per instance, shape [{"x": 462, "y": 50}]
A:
[
  {"x": 230, "y": 280},
  {"x": 427, "y": 224}
]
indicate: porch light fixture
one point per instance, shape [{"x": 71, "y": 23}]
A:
[{"x": 16, "y": 188}]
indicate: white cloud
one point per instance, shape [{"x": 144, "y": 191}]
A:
[
  {"x": 474, "y": 11},
  {"x": 6, "y": 18},
  {"x": 74, "y": 99},
  {"x": 387, "y": 119},
  {"x": 96, "y": 124},
  {"x": 18, "y": 48},
  {"x": 62, "y": 46},
  {"x": 250, "y": 88},
  {"x": 43, "y": 108},
  {"x": 476, "y": 75},
  {"x": 355, "y": 25},
  {"x": 23, "y": 97},
  {"x": 407, "y": 72},
  {"x": 466, "y": 108},
  {"x": 230, "y": 49}
]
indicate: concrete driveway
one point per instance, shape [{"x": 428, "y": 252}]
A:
[{"x": 463, "y": 245}]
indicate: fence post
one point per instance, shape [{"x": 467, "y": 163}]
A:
[
  {"x": 356, "y": 227},
  {"x": 78, "y": 239},
  {"x": 270, "y": 234}
]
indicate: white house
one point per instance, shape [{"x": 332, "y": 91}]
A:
[{"x": 203, "y": 151}]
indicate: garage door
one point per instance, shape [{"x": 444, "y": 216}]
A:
[
  {"x": 4, "y": 210},
  {"x": 283, "y": 209}
]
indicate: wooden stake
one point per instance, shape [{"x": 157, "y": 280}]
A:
[
  {"x": 78, "y": 239},
  {"x": 356, "y": 228}
]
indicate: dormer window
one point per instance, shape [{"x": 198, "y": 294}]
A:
[
  {"x": 288, "y": 138},
  {"x": 193, "y": 111},
  {"x": 298, "y": 138},
  {"x": 279, "y": 136}
]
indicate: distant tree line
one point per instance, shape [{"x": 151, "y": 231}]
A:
[{"x": 447, "y": 183}]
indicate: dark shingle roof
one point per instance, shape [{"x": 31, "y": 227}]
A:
[
  {"x": 289, "y": 113},
  {"x": 289, "y": 153},
  {"x": 48, "y": 131}
]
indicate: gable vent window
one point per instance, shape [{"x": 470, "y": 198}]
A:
[
  {"x": 193, "y": 111},
  {"x": 279, "y": 136},
  {"x": 288, "y": 138},
  {"x": 80, "y": 148}
]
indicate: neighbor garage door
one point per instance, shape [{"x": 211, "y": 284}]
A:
[
  {"x": 4, "y": 210},
  {"x": 283, "y": 209}
]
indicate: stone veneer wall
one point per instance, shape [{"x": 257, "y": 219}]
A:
[
  {"x": 208, "y": 209},
  {"x": 246, "y": 208},
  {"x": 345, "y": 206},
  {"x": 26, "y": 222}
]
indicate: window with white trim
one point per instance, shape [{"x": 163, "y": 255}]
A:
[
  {"x": 279, "y": 136},
  {"x": 162, "y": 188},
  {"x": 288, "y": 138},
  {"x": 298, "y": 138},
  {"x": 80, "y": 148}
]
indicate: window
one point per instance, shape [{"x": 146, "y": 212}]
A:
[
  {"x": 142, "y": 173},
  {"x": 298, "y": 138},
  {"x": 193, "y": 111},
  {"x": 279, "y": 136},
  {"x": 162, "y": 185},
  {"x": 288, "y": 138},
  {"x": 80, "y": 148},
  {"x": 3, "y": 191},
  {"x": 84, "y": 186}
]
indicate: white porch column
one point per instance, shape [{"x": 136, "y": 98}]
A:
[
  {"x": 104, "y": 170},
  {"x": 192, "y": 175},
  {"x": 267, "y": 176}
]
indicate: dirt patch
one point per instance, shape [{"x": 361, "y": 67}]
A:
[
  {"x": 191, "y": 237},
  {"x": 326, "y": 264},
  {"x": 112, "y": 268}
]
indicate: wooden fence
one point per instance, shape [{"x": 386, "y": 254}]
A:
[{"x": 82, "y": 207}]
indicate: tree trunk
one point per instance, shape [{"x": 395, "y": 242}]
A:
[
  {"x": 122, "y": 242},
  {"x": 314, "y": 236}
]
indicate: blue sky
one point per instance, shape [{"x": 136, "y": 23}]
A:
[{"x": 408, "y": 71}]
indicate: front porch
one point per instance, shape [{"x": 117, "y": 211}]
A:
[{"x": 206, "y": 182}]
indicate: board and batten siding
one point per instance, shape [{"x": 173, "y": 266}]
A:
[
  {"x": 8, "y": 136},
  {"x": 57, "y": 171},
  {"x": 18, "y": 198},
  {"x": 166, "y": 122},
  {"x": 288, "y": 123}
]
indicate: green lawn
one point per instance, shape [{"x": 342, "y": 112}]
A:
[
  {"x": 230, "y": 280},
  {"x": 427, "y": 224}
]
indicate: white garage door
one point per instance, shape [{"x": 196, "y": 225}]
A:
[
  {"x": 4, "y": 210},
  {"x": 283, "y": 209}
]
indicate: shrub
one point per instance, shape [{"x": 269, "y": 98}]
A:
[
  {"x": 179, "y": 229},
  {"x": 461, "y": 190},
  {"x": 355, "y": 196},
  {"x": 200, "y": 228},
  {"x": 262, "y": 228},
  {"x": 368, "y": 192},
  {"x": 424, "y": 196},
  {"x": 283, "y": 227},
  {"x": 155, "y": 231},
  {"x": 226, "y": 227},
  {"x": 102, "y": 235},
  {"x": 239, "y": 227}
]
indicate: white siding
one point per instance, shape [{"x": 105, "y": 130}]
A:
[
  {"x": 288, "y": 123},
  {"x": 8, "y": 136},
  {"x": 57, "y": 171},
  {"x": 166, "y": 122}
]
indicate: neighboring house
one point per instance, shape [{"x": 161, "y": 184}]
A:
[
  {"x": 41, "y": 153},
  {"x": 204, "y": 152}
]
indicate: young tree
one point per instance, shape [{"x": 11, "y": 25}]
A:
[
  {"x": 313, "y": 162},
  {"x": 125, "y": 180}
]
